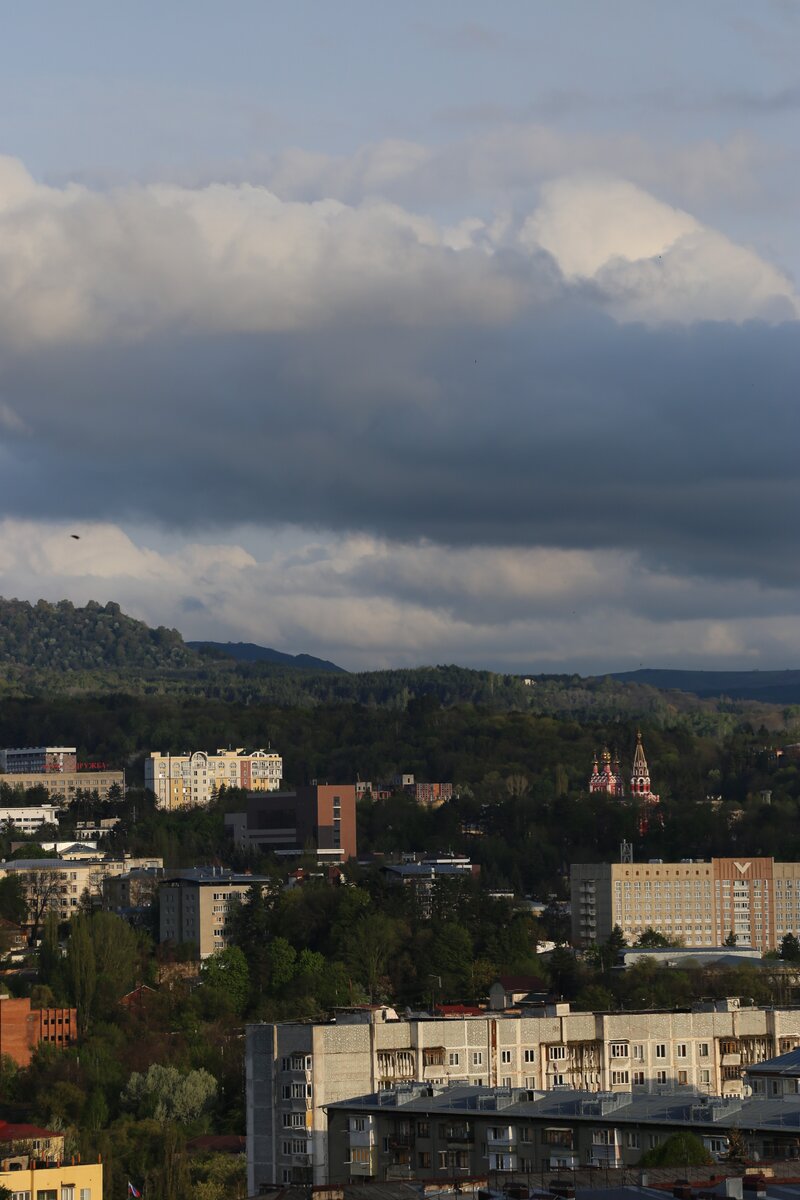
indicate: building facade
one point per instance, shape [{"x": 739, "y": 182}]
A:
[
  {"x": 30, "y": 817},
  {"x": 43, "y": 1180},
  {"x": 64, "y": 786},
  {"x": 23, "y": 1028},
  {"x": 320, "y": 819},
  {"x": 57, "y": 884},
  {"x": 197, "y": 907},
  {"x": 701, "y": 903},
  {"x": 179, "y": 780},
  {"x": 425, "y": 1133},
  {"x": 295, "y": 1070},
  {"x": 38, "y": 760}
]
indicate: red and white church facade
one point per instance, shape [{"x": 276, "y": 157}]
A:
[{"x": 607, "y": 778}]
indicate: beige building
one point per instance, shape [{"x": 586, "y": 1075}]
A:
[
  {"x": 295, "y": 1069},
  {"x": 65, "y": 785},
  {"x": 197, "y": 907},
  {"x": 68, "y": 1181},
  {"x": 179, "y": 780},
  {"x": 700, "y": 903},
  {"x": 59, "y": 883}
]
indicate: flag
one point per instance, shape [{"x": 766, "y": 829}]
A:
[{"x": 133, "y": 1191}]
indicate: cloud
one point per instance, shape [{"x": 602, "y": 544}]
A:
[
  {"x": 370, "y": 602},
  {"x": 599, "y": 373}
]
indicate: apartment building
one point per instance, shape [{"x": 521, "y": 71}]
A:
[
  {"x": 699, "y": 902},
  {"x": 320, "y": 818},
  {"x": 58, "y": 884},
  {"x": 197, "y": 907},
  {"x": 38, "y": 760},
  {"x": 423, "y": 1132},
  {"x": 295, "y": 1070},
  {"x": 23, "y": 1028},
  {"x": 178, "y": 780}
]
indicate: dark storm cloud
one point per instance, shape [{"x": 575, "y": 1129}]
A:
[{"x": 563, "y": 428}]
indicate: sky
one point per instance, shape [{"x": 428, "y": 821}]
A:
[{"x": 405, "y": 334}]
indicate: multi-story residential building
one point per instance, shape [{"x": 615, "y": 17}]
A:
[
  {"x": 700, "y": 903},
  {"x": 64, "y": 786},
  {"x": 38, "y": 760},
  {"x": 320, "y": 819},
  {"x": 30, "y": 817},
  {"x": 197, "y": 907},
  {"x": 179, "y": 780},
  {"x": 45, "y": 1180},
  {"x": 23, "y": 1028},
  {"x": 426, "y": 1132},
  {"x": 295, "y": 1070},
  {"x": 58, "y": 884}
]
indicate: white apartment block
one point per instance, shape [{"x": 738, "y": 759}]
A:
[
  {"x": 179, "y": 780},
  {"x": 294, "y": 1070},
  {"x": 30, "y": 818}
]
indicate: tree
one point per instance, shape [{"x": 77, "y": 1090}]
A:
[
  {"x": 81, "y": 970},
  {"x": 683, "y": 1149},
  {"x": 653, "y": 940},
  {"x": 167, "y": 1094},
  {"x": 42, "y": 892},
  {"x": 226, "y": 971},
  {"x": 13, "y": 905},
  {"x": 50, "y": 963},
  {"x": 790, "y": 948},
  {"x": 281, "y": 962}
]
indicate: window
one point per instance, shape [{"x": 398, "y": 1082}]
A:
[
  {"x": 555, "y": 1052},
  {"x": 638, "y": 1078},
  {"x": 424, "y": 1160},
  {"x": 681, "y": 1049},
  {"x": 661, "y": 1050},
  {"x": 619, "y": 1049},
  {"x": 638, "y": 1053},
  {"x": 530, "y": 1056},
  {"x": 619, "y": 1077},
  {"x": 360, "y": 1154},
  {"x": 453, "y": 1058},
  {"x": 442, "y": 1156},
  {"x": 705, "y": 1076},
  {"x": 632, "y": 1140},
  {"x": 358, "y": 1124},
  {"x": 423, "y": 1129},
  {"x": 505, "y": 1056},
  {"x": 477, "y": 1058},
  {"x": 661, "y": 1076},
  {"x": 653, "y": 1140},
  {"x": 683, "y": 1077},
  {"x": 702, "y": 1050}
]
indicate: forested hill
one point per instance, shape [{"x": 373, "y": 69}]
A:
[
  {"x": 61, "y": 637},
  {"x": 250, "y": 652},
  {"x": 47, "y": 650},
  {"x": 772, "y": 687}
]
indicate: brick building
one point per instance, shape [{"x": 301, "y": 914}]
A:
[{"x": 22, "y": 1028}]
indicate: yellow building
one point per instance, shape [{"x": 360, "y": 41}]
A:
[
  {"x": 179, "y": 780},
  {"x": 77, "y": 1181}
]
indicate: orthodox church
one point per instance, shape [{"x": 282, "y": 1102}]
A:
[{"x": 606, "y": 777}]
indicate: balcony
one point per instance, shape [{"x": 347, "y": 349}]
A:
[
  {"x": 504, "y": 1141},
  {"x": 401, "y": 1141},
  {"x": 460, "y": 1137}
]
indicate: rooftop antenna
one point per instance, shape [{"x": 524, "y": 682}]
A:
[{"x": 626, "y": 852}]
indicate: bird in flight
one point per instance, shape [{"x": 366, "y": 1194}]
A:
[{"x": 77, "y": 536}]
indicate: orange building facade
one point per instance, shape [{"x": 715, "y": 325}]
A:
[{"x": 23, "y": 1028}]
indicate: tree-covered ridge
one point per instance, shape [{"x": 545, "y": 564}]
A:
[{"x": 62, "y": 637}]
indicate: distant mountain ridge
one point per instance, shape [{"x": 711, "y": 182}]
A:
[
  {"x": 250, "y": 652},
  {"x": 771, "y": 687}
]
